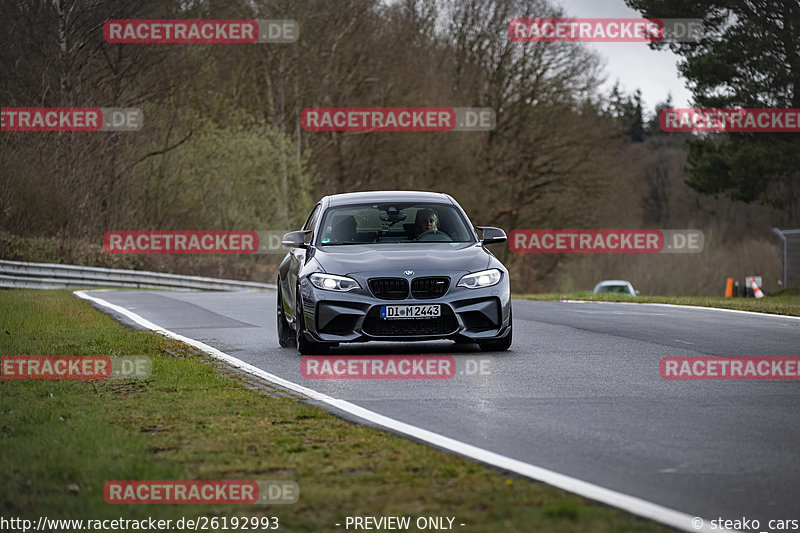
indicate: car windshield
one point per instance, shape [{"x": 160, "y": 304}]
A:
[
  {"x": 614, "y": 288},
  {"x": 393, "y": 222}
]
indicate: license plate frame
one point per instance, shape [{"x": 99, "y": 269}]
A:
[{"x": 412, "y": 311}]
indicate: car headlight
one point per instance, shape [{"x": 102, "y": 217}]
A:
[
  {"x": 329, "y": 282},
  {"x": 477, "y": 280}
]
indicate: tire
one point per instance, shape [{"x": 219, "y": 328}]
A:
[
  {"x": 305, "y": 346},
  {"x": 285, "y": 333},
  {"x": 501, "y": 345}
]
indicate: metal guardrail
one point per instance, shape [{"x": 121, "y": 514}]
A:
[{"x": 18, "y": 274}]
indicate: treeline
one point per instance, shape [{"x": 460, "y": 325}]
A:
[{"x": 222, "y": 146}]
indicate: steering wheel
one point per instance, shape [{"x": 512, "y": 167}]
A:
[{"x": 436, "y": 234}]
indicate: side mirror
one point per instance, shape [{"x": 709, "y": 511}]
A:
[
  {"x": 637, "y": 292},
  {"x": 492, "y": 235},
  {"x": 296, "y": 239}
]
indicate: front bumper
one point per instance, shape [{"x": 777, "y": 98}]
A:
[{"x": 466, "y": 315}]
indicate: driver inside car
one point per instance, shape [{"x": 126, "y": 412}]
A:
[{"x": 426, "y": 220}]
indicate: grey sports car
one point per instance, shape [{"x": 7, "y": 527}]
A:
[{"x": 392, "y": 266}]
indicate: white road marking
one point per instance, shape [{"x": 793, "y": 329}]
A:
[
  {"x": 606, "y": 313},
  {"x": 632, "y": 504},
  {"x": 771, "y": 315}
]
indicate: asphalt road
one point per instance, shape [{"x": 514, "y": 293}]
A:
[{"x": 579, "y": 393}]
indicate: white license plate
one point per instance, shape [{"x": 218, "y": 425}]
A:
[{"x": 410, "y": 311}]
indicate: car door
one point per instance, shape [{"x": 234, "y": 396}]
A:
[{"x": 291, "y": 264}]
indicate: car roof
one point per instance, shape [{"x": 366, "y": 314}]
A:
[
  {"x": 613, "y": 282},
  {"x": 386, "y": 196}
]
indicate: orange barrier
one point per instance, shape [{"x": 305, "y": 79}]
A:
[{"x": 729, "y": 288}]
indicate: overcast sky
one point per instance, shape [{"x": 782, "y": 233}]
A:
[{"x": 635, "y": 65}]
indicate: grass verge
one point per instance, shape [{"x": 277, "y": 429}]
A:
[
  {"x": 786, "y": 302},
  {"x": 61, "y": 440}
]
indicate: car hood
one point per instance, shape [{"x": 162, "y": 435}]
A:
[{"x": 397, "y": 257}]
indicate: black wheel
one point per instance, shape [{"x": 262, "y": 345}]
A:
[
  {"x": 285, "y": 333},
  {"x": 501, "y": 345},
  {"x": 305, "y": 346}
]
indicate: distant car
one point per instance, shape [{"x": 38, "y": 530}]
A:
[
  {"x": 392, "y": 266},
  {"x": 615, "y": 286}
]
